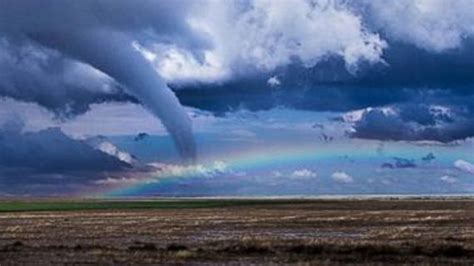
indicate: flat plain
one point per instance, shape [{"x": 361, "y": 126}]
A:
[{"x": 328, "y": 232}]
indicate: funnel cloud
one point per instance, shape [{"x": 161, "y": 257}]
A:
[
  {"x": 101, "y": 35},
  {"x": 114, "y": 55}
]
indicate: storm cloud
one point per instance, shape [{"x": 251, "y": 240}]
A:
[
  {"x": 101, "y": 35},
  {"x": 35, "y": 151},
  {"x": 219, "y": 56},
  {"x": 36, "y": 74}
]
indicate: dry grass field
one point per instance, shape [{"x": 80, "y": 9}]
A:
[{"x": 309, "y": 232}]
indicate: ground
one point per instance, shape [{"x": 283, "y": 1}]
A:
[{"x": 411, "y": 231}]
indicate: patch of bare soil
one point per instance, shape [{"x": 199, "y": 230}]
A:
[{"x": 310, "y": 232}]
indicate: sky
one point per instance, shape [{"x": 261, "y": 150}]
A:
[{"x": 236, "y": 98}]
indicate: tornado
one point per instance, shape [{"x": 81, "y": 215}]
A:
[
  {"x": 113, "y": 54},
  {"x": 101, "y": 33}
]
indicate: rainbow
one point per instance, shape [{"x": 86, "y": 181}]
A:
[{"x": 264, "y": 160}]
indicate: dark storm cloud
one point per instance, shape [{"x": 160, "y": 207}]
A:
[
  {"x": 51, "y": 151},
  {"x": 163, "y": 18},
  {"x": 416, "y": 122},
  {"x": 32, "y": 73},
  {"x": 410, "y": 66},
  {"x": 409, "y": 73}
]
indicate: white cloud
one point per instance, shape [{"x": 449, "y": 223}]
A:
[
  {"x": 196, "y": 170},
  {"x": 358, "y": 115},
  {"x": 219, "y": 166},
  {"x": 354, "y": 116},
  {"x": 434, "y": 25},
  {"x": 179, "y": 65},
  {"x": 464, "y": 166},
  {"x": 264, "y": 35},
  {"x": 273, "y": 82},
  {"x": 110, "y": 149},
  {"x": 303, "y": 174},
  {"x": 342, "y": 177}
]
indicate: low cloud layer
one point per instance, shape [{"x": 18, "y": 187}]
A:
[{"x": 50, "y": 150}]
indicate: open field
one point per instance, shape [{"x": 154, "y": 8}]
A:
[
  {"x": 74, "y": 205},
  {"x": 238, "y": 231}
]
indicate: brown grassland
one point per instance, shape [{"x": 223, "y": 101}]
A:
[{"x": 328, "y": 232}]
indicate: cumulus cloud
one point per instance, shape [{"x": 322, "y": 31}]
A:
[
  {"x": 274, "y": 82},
  {"x": 263, "y": 35},
  {"x": 342, "y": 177},
  {"x": 464, "y": 166},
  {"x": 435, "y": 25},
  {"x": 303, "y": 174}
]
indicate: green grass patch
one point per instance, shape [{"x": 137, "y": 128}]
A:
[
  {"x": 17, "y": 206},
  {"x": 70, "y": 205}
]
